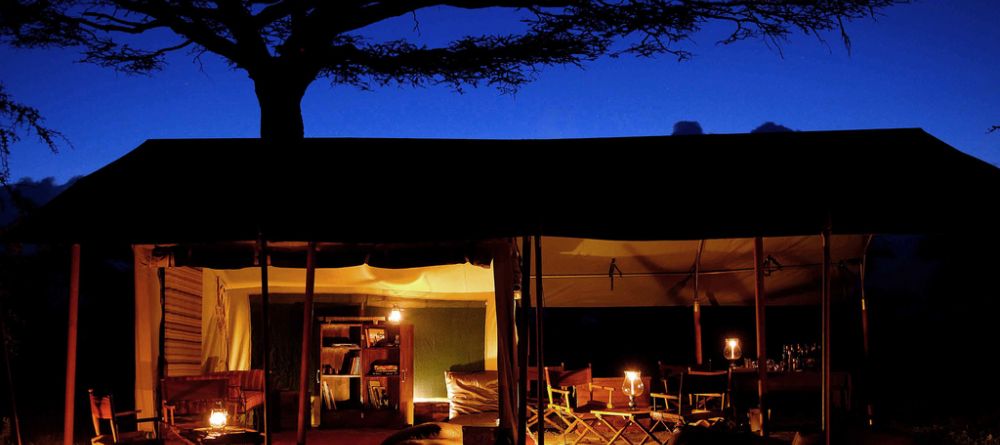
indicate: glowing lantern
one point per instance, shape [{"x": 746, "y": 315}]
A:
[{"x": 632, "y": 386}]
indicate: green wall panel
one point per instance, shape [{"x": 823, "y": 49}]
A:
[{"x": 445, "y": 339}]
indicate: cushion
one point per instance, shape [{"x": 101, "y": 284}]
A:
[
  {"x": 489, "y": 418},
  {"x": 426, "y": 433},
  {"x": 472, "y": 392}
]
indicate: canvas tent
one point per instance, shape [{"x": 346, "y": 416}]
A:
[{"x": 460, "y": 201}]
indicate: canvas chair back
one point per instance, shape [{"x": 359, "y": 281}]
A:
[{"x": 103, "y": 408}]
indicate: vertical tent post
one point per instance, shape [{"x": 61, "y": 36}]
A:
[
  {"x": 523, "y": 340},
  {"x": 264, "y": 334},
  {"x": 869, "y": 410},
  {"x": 74, "y": 308},
  {"x": 826, "y": 334},
  {"x": 10, "y": 376},
  {"x": 697, "y": 306},
  {"x": 307, "y": 317},
  {"x": 503, "y": 284},
  {"x": 758, "y": 268},
  {"x": 539, "y": 345}
]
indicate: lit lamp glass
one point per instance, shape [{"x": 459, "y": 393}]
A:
[
  {"x": 732, "y": 351},
  {"x": 395, "y": 315},
  {"x": 217, "y": 418},
  {"x": 632, "y": 387}
]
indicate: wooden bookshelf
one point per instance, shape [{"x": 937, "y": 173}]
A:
[{"x": 365, "y": 373}]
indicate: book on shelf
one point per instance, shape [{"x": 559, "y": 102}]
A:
[
  {"x": 376, "y": 394},
  {"x": 356, "y": 366},
  {"x": 327, "y": 395}
]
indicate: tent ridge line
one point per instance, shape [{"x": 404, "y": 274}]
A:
[{"x": 683, "y": 274}]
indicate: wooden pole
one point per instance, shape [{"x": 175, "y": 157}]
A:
[
  {"x": 826, "y": 335},
  {"x": 758, "y": 266},
  {"x": 869, "y": 409},
  {"x": 697, "y": 306},
  {"x": 10, "y": 374},
  {"x": 265, "y": 304},
  {"x": 74, "y": 308},
  {"x": 523, "y": 340},
  {"x": 307, "y": 318},
  {"x": 539, "y": 337}
]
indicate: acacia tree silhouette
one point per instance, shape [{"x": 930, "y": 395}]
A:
[
  {"x": 285, "y": 45},
  {"x": 17, "y": 119}
]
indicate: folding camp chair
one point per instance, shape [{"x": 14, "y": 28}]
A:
[
  {"x": 548, "y": 418},
  {"x": 562, "y": 389},
  {"x": 672, "y": 377}
]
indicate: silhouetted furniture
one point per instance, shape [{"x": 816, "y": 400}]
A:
[
  {"x": 702, "y": 396},
  {"x": 224, "y": 436},
  {"x": 562, "y": 388},
  {"x": 707, "y": 392},
  {"x": 667, "y": 414},
  {"x": 189, "y": 397},
  {"x": 187, "y": 400},
  {"x": 102, "y": 408}
]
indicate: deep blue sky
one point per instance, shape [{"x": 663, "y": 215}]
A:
[{"x": 933, "y": 65}]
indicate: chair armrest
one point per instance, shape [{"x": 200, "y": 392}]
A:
[
  {"x": 666, "y": 399},
  {"x": 128, "y": 413},
  {"x": 565, "y": 397},
  {"x": 610, "y": 390}
]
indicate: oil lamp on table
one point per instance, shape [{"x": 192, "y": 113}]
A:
[{"x": 632, "y": 386}]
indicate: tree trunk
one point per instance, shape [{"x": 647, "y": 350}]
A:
[{"x": 280, "y": 99}]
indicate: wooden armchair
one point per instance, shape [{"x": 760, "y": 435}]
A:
[
  {"x": 103, "y": 408},
  {"x": 562, "y": 388}
]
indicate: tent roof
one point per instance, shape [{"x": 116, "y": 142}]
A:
[
  {"x": 634, "y": 188},
  {"x": 576, "y": 272}
]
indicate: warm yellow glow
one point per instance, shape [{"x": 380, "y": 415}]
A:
[
  {"x": 517, "y": 294},
  {"x": 632, "y": 375},
  {"x": 395, "y": 315},
  {"x": 732, "y": 351},
  {"x": 217, "y": 419},
  {"x": 632, "y": 385}
]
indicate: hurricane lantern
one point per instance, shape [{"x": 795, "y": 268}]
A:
[
  {"x": 632, "y": 387},
  {"x": 732, "y": 351}
]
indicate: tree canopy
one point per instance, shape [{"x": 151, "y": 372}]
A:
[
  {"x": 285, "y": 45},
  {"x": 16, "y": 120}
]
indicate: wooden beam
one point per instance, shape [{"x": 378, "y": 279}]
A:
[
  {"x": 697, "y": 306},
  {"x": 74, "y": 309},
  {"x": 523, "y": 340},
  {"x": 869, "y": 409},
  {"x": 539, "y": 337},
  {"x": 759, "y": 297},
  {"x": 825, "y": 300},
  {"x": 265, "y": 335},
  {"x": 307, "y": 318}
]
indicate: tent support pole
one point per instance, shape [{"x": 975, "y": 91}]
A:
[
  {"x": 265, "y": 341},
  {"x": 74, "y": 309},
  {"x": 307, "y": 318},
  {"x": 826, "y": 334},
  {"x": 697, "y": 306},
  {"x": 10, "y": 376},
  {"x": 869, "y": 410},
  {"x": 758, "y": 265},
  {"x": 523, "y": 340},
  {"x": 539, "y": 345}
]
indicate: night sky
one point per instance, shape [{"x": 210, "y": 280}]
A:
[{"x": 932, "y": 65}]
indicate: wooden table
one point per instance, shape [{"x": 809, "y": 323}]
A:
[
  {"x": 631, "y": 418},
  {"x": 211, "y": 436}
]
